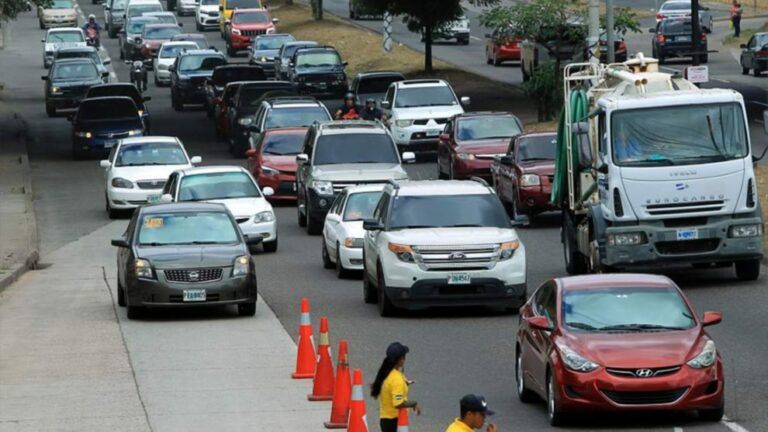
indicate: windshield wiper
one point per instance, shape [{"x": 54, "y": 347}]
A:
[
  {"x": 639, "y": 327},
  {"x": 581, "y": 326},
  {"x": 712, "y": 134},
  {"x": 154, "y": 244}
]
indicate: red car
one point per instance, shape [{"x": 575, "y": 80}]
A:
[
  {"x": 618, "y": 342},
  {"x": 471, "y": 141},
  {"x": 272, "y": 161},
  {"x": 523, "y": 177},
  {"x": 221, "y": 109},
  {"x": 496, "y": 53},
  {"x": 244, "y": 26},
  {"x": 153, "y": 36}
]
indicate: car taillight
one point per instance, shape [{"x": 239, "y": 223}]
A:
[
  {"x": 622, "y": 46},
  {"x": 703, "y": 37},
  {"x": 660, "y": 38},
  {"x": 660, "y": 16},
  {"x": 762, "y": 53}
]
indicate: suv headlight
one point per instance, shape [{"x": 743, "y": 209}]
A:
[
  {"x": 269, "y": 171},
  {"x": 403, "y": 123},
  {"x": 705, "y": 358},
  {"x": 55, "y": 90},
  {"x": 530, "y": 180},
  {"x": 143, "y": 269},
  {"x": 403, "y": 252},
  {"x": 241, "y": 266},
  {"x": 508, "y": 249},
  {"x": 323, "y": 187},
  {"x": 265, "y": 216},
  {"x": 574, "y": 361},
  {"x": 740, "y": 231},
  {"x": 83, "y": 134},
  {"x": 122, "y": 183},
  {"x": 235, "y": 31},
  {"x": 355, "y": 243},
  {"x": 466, "y": 156},
  {"x": 245, "y": 121}
]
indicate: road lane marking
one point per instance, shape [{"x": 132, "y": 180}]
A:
[
  {"x": 113, "y": 74},
  {"x": 677, "y": 429},
  {"x": 733, "y": 426},
  {"x": 474, "y": 38},
  {"x": 721, "y": 80}
]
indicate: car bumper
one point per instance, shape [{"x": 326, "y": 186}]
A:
[
  {"x": 351, "y": 258},
  {"x": 475, "y": 167},
  {"x": 53, "y": 23},
  {"x": 267, "y": 230},
  {"x": 70, "y": 101},
  {"x": 186, "y": 7},
  {"x": 417, "y": 138},
  {"x": 130, "y": 198},
  {"x": 162, "y": 293},
  {"x": 602, "y": 391},
  {"x": 322, "y": 91},
  {"x": 208, "y": 21},
  {"x": 533, "y": 200},
  {"x": 284, "y": 186}
]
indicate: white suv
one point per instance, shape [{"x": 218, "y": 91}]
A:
[
  {"x": 418, "y": 110},
  {"x": 442, "y": 243}
]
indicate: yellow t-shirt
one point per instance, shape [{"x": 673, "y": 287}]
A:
[
  {"x": 394, "y": 391},
  {"x": 458, "y": 426}
]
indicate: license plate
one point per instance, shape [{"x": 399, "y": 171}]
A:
[
  {"x": 433, "y": 132},
  {"x": 683, "y": 39},
  {"x": 153, "y": 198},
  {"x": 194, "y": 295},
  {"x": 459, "y": 279},
  {"x": 687, "y": 234}
]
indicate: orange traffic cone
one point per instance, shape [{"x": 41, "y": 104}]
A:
[
  {"x": 322, "y": 390},
  {"x": 358, "y": 422},
  {"x": 342, "y": 391},
  {"x": 305, "y": 359},
  {"x": 402, "y": 420}
]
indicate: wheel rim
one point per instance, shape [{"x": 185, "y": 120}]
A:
[
  {"x": 519, "y": 375},
  {"x": 550, "y": 399}
]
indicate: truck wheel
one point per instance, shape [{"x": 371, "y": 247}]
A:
[
  {"x": 574, "y": 262},
  {"x": 302, "y": 221},
  {"x": 748, "y": 270}
]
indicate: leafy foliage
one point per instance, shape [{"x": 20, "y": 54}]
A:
[{"x": 9, "y": 9}]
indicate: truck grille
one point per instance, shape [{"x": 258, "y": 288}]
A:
[
  {"x": 683, "y": 247},
  {"x": 464, "y": 257},
  {"x": 193, "y": 275},
  {"x": 642, "y": 373},
  {"x": 685, "y": 207},
  {"x": 111, "y": 135},
  {"x": 252, "y": 32},
  {"x": 645, "y": 398},
  {"x": 151, "y": 184}
]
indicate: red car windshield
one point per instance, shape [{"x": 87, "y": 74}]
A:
[
  {"x": 251, "y": 18},
  {"x": 283, "y": 144}
]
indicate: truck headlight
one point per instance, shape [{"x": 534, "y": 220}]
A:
[
  {"x": 245, "y": 121},
  {"x": 83, "y": 134},
  {"x": 265, "y": 216},
  {"x": 323, "y": 187},
  {"x": 626, "y": 239},
  {"x": 530, "y": 180},
  {"x": 403, "y": 123},
  {"x": 705, "y": 358},
  {"x": 241, "y": 266},
  {"x": 574, "y": 361},
  {"x": 354, "y": 243},
  {"x": 143, "y": 269},
  {"x": 466, "y": 156},
  {"x": 508, "y": 249},
  {"x": 740, "y": 231},
  {"x": 403, "y": 252},
  {"x": 122, "y": 183}
]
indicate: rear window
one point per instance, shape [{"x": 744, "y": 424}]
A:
[
  {"x": 107, "y": 109},
  {"x": 228, "y": 185},
  {"x": 165, "y": 19},
  {"x": 161, "y": 33},
  {"x": 222, "y": 76},
  {"x": 193, "y": 63},
  {"x": 675, "y": 26},
  {"x": 535, "y": 148},
  {"x": 291, "y": 50},
  {"x": 137, "y": 26},
  {"x": 376, "y": 85},
  {"x": 138, "y": 10},
  {"x": 283, "y": 144},
  {"x": 69, "y": 36},
  {"x": 93, "y": 55},
  {"x": 62, "y": 4},
  {"x": 678, "y": 6},
  {"x": 252, "y": 18},
  {"x": 118, "y": 90}
]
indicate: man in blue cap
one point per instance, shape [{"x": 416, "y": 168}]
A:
[{"x": 474, "y": 410}]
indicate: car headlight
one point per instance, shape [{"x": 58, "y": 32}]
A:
[
  {"x": 263, "y": 59},
  {"x": 574, "y": 361},
  {"x": 403, "y": 123},
  {"x": 83, "y": 134},
  {"x": 135, "y": 132},
  {"x": 270, "y": 30},
  {"x": 530, "y": 180},
  {"x": 508, "y": 249},
  {"x": 705, "y": 358},
  {"x": 235, "y": 32},
  {"x": 403, "y": 252},
  {"x": 122, "y": 183},
  {"x": 265, "y": 216},
  {"x": 626, "y": 239},
  {"x": 269, "y": 171},
  {"x": 143, "y": 269},
  {"x": 55, "y": 90},
  {"x": 355, "y": 243},
  {"x": 466, "y": 156},
  {"x": 738, "y": 231},
  {"x": 323, "y": 187},
  {"x": 245, "y": 121},
  {"x": 241, "y": 266}
]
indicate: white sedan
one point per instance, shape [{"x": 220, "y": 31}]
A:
[
  {"x": 166, "y": 56},
  {"x": 137, "y": 169},
  {"x": 234, "y": 187},
  {"x": 343, "y": 230}
]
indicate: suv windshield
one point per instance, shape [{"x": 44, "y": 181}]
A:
[
  {"x": 283, "y": 144},
  {"x": 227, "y": 185},
  {"x": 361, "y": 205},
  {"x": 77, "y": 71},
  {"x": 173, "y": 51},
  {"x": 193, "y": 63},
  {"x": 480, "y": 128},
  {"x": 160, "y": 33},
  {"x": 187, "y": 228},
  {"x": 482, "y": 210},
  {"x": 295, "y": 117},
  {"x": 93, "y": 55},
  {"x": 626, "y": 309},
  {"x": 540, "y": 147},
  {"x": 425, "y": 96},
  {"x": 107, "y": 109},
  {"x": 68, "y": 36},
  {"x": 318, "y": 59},
  {"x": 355, "y": 149},
  {"x": 251, "y": 18},
  {"x": 679, "y": 135},
  {"x": 150, "y": 154},
  {"x": 272, "y": 43}
]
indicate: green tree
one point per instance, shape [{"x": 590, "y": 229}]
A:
[{"x": 9, "y": 9}]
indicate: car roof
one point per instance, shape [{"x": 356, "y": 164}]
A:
[
  {"x": 77, "y": 49},
  {"x": 536, "y": 134},
  {"x": 202, "y": 52},
  {"x": 342, "y": 127},
  {"x": 315, "y": 49},
  {"x": 240, "y": 10},
  {"x": 440, "y": 187},
  {"x": 138, "y": 2},
  {"x": 213, "y": 169},
  {"x": 178, "y": 43},
  {"x": 144, "y": 18},
  {"x": 377, "y": 74},
  {"x": 116, "y": 85},
  {"x": 278, "y": 85},
  {"x": 160, "y": 25},
  {"x": 421, "y": 83},
  {"x": 274, "y": 35},
  {"x": 614, "y": 280},
  {"x": 150, "y": 139},
  {"x": 185, "y": 206},
  {"x": 106, "y": 98},
  {"x": 188, "y": 36},
  {"x": 474, "y": 114}
]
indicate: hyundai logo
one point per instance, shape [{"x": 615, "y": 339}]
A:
[
  {"x": 644, "y": 373},
  {"x": 194, "y": 276},
  {"x": 457, "y": 256}
]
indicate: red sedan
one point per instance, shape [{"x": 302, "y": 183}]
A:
[
  {"x": 497, "y": 53},
  {"x": 221, "y": 109},
  {"x": 470, "y": 142},
  {"x": 618, "y": 342},
  {"x": 273, "y": 160}
]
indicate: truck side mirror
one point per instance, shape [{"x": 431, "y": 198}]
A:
[{"x": 385, "y": 105}]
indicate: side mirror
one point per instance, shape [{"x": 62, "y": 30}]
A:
[
  {"x": 196, "y": 160},
  {"x": 105, "y": 164},
  {"x": 146, "y": 98},
  {"x": 123, "y": 243},
  {"x": 106, "y": 7},
  {"x": 445, "y": 137},
  {"x": 227, "y": 22},
  {"x": 172, "y": 68},
  {"x": 345, "y": 64},
  {"x": 253, "y": 240},
  {"x": 539, "y": 323},
  {"x": 385, "y": 105},
  {"x": 742, "y": 46},
  {"x": 166, "y": 198},
  {"x": 465, "y": 100},
  {"x": 250, "y": 152},
  {"x": 107, "y": 61},
  {"x": 507, "y": 160},
  {"x": 121, "y": 31},
  {"x": 711, "y": 318},
  {"x": 409, "y": 157},
  {"x": 268, "y": 191},
  {"x": 42, "y": 40},
  {"x": 520, "y": 221},
  {"x": 181, "y": 24},
  {"x": 651, "y": 30},
  {"x": 302, "y": 158},
  {"x": 290, "y": 64},
  {"x": 372, "y": 225},
  {"x": 105, "y": 74},
  {"x": 127, "y": 62}
]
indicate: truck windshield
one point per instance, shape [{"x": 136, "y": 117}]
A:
[
  {"x": 680, "y": 135},
  {"x": 448, "y": 211}
]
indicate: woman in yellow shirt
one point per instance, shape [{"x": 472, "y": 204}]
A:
[{"x": 391, "y": 388}]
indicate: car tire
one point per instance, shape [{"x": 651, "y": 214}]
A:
[
  {"x": 747, "y": 270},
  {"x": 120, "y": 294},
  {"x": 50, "y": 110},
  {"x": 712, "y": 415},
  {"x": 270, "y": 247},
  {"x": 661, "y": 59},
  {"x": 369, "y": 293},
  {"x": 386, "y": 308},
  {"x": 523, "y": 393},
  {"x": 465, "y": 41},
  {"x": 744, "y": 70},
  {"x": 134, "y": 312},
  {"x": 327, "y": 263},
  {"x": 554, "y": 415},
  {"x": 705, "y": 58},
  {"x": 112, "y": 213},
  {"x": 496, "y": 61},
  {"x": 451, "y": 174},
  {"x": 341, "y": 272},
  {"x": 756, "y": 71},
  {"x": 574, "y": 262},
  {"x": 247, "y": 309},
  {"x": 313, "y": 226}
]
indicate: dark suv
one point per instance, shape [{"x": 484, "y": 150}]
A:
[
  {"x": 124, "y": 89},
  {"x": 319, "y": 72},
  {"x": 189, "y": 74},
  {"x": 673, "y": 39},
  {"x": 67, "y": 82},
  {"x": 244, "y": 105}
]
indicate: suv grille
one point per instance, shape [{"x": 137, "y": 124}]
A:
[
  {"x": 340, "y": 186},
  {"x": 111, "y": 135},
  {"x": 644, "y": 373},
  {"x": 151, "y": 184},
  {"x": 193, "y": 275},
  {"x": 685, "y": 207},
  {"x": 425, "y": 121},
  {"x": 465, "y": 257},
  {"x": 252, "y": 32},
  {"x": 645, "y": 398}
]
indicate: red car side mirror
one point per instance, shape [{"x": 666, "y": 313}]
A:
[
  {"x": 539, "y": 323},
  {"x": 445, "y": 137},
  {"x": 711, "y": 318},
  {"x": 250, "y": 152}
]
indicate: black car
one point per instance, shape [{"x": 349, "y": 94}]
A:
[
  {"x": 245, "y": 104},
  {"x": 182, "y": 255},
  {"x": 754, "y": 54},
  {"x": 130, "y": 33},
  {"x": 223, "y": 75},
  {"x": 99, "y": 122},
  {"x": 373, "y": 85},
  {"x": 189, "y": 74},
  {"x": 284, "y": 56},
  {"x": 672, "y": 38},
  {"x": 319, "y": 72},
  {"x": 124, "y": 89},
  {"x": 67, "y": 82}
]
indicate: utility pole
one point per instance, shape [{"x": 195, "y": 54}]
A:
[
  {"x": 593, "y": 41},
  {"x": 695, "y": 32},
  {"x": 611, "y": 36}
]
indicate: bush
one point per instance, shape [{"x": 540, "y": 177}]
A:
[{"x": 544, "y": 88}]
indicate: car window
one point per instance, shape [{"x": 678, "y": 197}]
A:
[
  {"x": 546, "y": 304},
  {"x": 77, "y": 71},
  {"x": 425, "y": 96},
  {"x": 295, "y": 117},
  {"x": 532, "y": 148},
  {"x": 282, "y": 144},
  {"x": 62, "y": 4},
  {"x": 317, "y": 59},
  {"x": 477, "y": 210},
  {"x": 380, "y": 212},
  {"x": 149, "y": 153},
  {"x": 480, "y": 128},
  {"x": 229, "y": 93},
  {"x": 187, "y": 228},
  {"x": 271, "y": 43},
  {"x": 160, "y": 33},
  {"x": 195, "y": 63},
  {"x": 390, "y": 96},
  {"x": 112, "y": 153},
  {"x": 677, "y": 6},
  {"x": 117, "y": 90},
  {"x": 69, "y": 36},
  {"x": 170, "y": 51},
  {"x": 107, "y": 109},
  {"x": 243, "y": 4},
  {"x": 251, "y": 18},
  {"x": 361, "y": 205},
  {"x": 355, "y": 148},
  {"x": 376, "y": 84},
  {"x": 212, "y": 186}
]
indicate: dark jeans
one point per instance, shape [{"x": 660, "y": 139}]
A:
[
  {"x": 388, "y": 425},
  {"x": 736, "y": 25}
]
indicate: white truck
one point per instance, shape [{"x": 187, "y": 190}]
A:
[{"x": 652, "y": 170}]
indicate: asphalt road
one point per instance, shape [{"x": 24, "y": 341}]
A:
[{"x": 452, "y": 351}]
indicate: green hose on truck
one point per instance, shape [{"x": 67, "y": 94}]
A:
[{"x": 578, "y": 106}]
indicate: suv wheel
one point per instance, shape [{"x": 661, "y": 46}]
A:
[
  {"x": 748, "y": 270},
  {"x": 314, "y": 227},
  {"x": 327, "y": 263},
  {"x": 386, "y": 308}
]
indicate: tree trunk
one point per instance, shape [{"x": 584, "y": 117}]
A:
[
  {"x": 319, "y": 10},
  {"x": 428, "y": 48}
]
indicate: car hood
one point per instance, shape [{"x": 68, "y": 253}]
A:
[
  {"x": 636, "y": 350},
  {"x": 282, "y": 163},
  {"x": 58, "y": 45},
  {"x": 489, "y": 146},
  {"x": 148, "y": 172},
  {"x": 452, "y": 236},
  {"x": 252, "y": 26},
  {"x": 209, "y": 8},
  {"x": 359, "y": 172},
  {"x": 191, "y": 256},
  {"x": 104, "y": 126},
  {"x": 244, "y": 207},
  {"x": 428, "y": 112},
  {"x": 66, "y": 83},
  {"x": 538, "y": 167}
]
